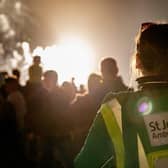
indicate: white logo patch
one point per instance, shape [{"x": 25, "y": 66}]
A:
[{"x": 157, "y": 127}]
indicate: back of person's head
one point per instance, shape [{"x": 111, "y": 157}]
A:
[
  {"x": 68, "y": 90},
  {"x": 16, "y": 73},
  {"x": 152, "y": 49},
  {"x": 37, "y": 59},
  {"x": 94, "y": 82},
  {"x": 11, "y": 84},
  {"x": 109, "y": 68},
  {"x": 50, "y": 79},
  {"x": 51, "y": 75}
]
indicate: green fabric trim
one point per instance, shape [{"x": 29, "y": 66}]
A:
[{"x": 98, "y": 149}]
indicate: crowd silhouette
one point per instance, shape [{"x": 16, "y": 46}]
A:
[{"x": 43, "y": 124}]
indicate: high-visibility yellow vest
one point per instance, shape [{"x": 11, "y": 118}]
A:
[{"x": 136, "y": 124}]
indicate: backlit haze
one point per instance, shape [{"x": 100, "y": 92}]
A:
[
  {"x": 72, "y": 36},
  {"x": 72, "y": 57}
]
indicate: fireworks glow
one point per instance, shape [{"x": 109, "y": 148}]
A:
[
  {"x": 72, "y": 57},
  {"x": 14, "y": 17}
]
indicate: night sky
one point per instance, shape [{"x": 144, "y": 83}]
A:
[{"x": 109, "y": 26}]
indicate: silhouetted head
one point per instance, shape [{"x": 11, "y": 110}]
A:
[
  {"x": 152, "y": 49},
  {"x": 11, "y": 84},
  {"x": 36, "y": 60},
  {"x": 94, "y": 82},
  {"x": 16, "y": 73},
  {"x": 51, "y": 75},
  {"x": 50, "y": 79},
  {"x": 4, "y": 74},
  {"x": 109, "y": 68},
  {"x": 82, "y": 89},
  {"x": 68, "y": 91}
]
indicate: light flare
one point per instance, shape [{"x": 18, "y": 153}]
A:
[{"x": 145, "y": 105}]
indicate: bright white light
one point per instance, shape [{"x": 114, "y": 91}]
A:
[
  {"x": 4, "y": 23},
  {"x": 27, "y": 55},
  {"x": 71, "y": 58},
  {"x": 11, "y": 33},
  {"x": 18, "y": 7}
]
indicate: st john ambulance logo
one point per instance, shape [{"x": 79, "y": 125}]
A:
[{"x": 157, "y": 128}]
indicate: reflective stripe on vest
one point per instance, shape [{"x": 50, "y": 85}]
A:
[
  {"x": 158, "y": 159},
  {"x": 143, "y": 162},
  {"x": 111, "y": 113}
]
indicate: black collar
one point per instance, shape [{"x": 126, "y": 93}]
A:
[{"x": 152, "y": 81}]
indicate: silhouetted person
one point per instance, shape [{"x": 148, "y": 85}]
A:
[
  {"x": 57, "y": 101},
  {"x": 111, "y": 81},
  {"x": 35, "y": 71},
  {"x": 68, "y": 91},
  {"x": 16, "y": 73},
  {"x": 15, "y": 97},
  {"x": 13, "y": 109},
  {"x": 83, "y": 111},
  {"x": 5, "y": 74},
  {"x": 82, "y": 89},
  {"x": 50, "y": 80},
  {"x": 63, "y": 122}
]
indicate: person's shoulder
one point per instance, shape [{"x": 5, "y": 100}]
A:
[
  {"x": 120, "y": 84},
  {"x": 120, "y": 96},
  {"x": 31, "y": 66}
]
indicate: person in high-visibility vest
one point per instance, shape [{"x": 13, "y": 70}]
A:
[{"x": 131, "y": 128}]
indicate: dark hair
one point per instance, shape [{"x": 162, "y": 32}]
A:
[
  {"x": 16, "y": 73},
  {"x": 37, "y": 58},
  {"x": 109, "y": 66},
  {"x": 12, "y": 81},
  {"x": 94, "y": 82},
  {"x": 152, "y": 47}
]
